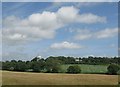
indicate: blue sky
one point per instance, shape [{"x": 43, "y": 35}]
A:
[
  {"x": 59, "y": 29},
  {"x": 0, "y": 31}
]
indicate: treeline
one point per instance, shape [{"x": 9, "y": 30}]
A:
[
  {"x": 35, "y": 65},
  {"x": 90, "y": 60},
  {"x": 52, "y": 64}
]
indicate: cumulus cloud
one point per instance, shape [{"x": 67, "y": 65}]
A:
[
  {"x": 71, "y": 14},
  {"x": 67, "y": 14},
  {"x": 91, "y": 18},
  {"x": 66, "y": 45},
  {"x": 106, "y": 33},
  {"x": 43, "y": 25},
  {"x": 83, "y": 34}
]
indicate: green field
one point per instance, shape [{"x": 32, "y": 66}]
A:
[{"x": 88, "y": 68}]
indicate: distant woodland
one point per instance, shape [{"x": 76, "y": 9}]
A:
[{"x": 52, "y": 64}]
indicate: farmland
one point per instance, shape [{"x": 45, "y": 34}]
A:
[
  {"x": 26, "y": 78},
  {"x": 55, "y": 72}
]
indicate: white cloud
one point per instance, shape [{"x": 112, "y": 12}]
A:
[
  {"x": 91, "y": 18},
  {"x": 83, "y": 34},
  {"x": 71, "y": 14},
  {"x": 43, "y": 25},
  {"x": 66, "y": 45},
  {"x": 106, "y": 33},
  {"x": 67, "y": 14}
]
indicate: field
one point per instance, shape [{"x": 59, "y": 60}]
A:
[
  {"x": 27, "y": 78},
  {"x": 101, "y": 69}
]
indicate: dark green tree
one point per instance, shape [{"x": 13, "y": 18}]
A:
[
  {"x": 20, "y": 66},
  {"x": 38, "y": 66},
  {"x": 74, "y": 69},
  {"x": 113, "y": 69},
  {"x": 53, "y": 66}
]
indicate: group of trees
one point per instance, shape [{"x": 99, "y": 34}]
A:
[
  {"x": 52, "y": 64},
  {"x": 35, "y": 65},
  {"x": 99, "y": 60},
  {"x": 86, "y": 60}
]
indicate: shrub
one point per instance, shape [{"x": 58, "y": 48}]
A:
[
  {"x": 56, "y": 69},
  {"x": 74, "y": 69},
  {"x": 118, "y": 73},
  {"x": 113, "y": 69}
]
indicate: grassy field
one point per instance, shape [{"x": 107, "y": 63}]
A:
[
  {"x": 88, "y": 68},
  {"x": 25, "y": 78}
]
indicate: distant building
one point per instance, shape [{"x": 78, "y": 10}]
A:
[
  {"x": 39, "y": 57},
  {"x": 77, "y": 59},
  {"x": 29, "y": 70}
]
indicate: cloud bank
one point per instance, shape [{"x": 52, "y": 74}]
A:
[
  {"x": 66, "y": 45},
  {"x": 43, "y": 25},
  {"x": 83, "y": 34}
]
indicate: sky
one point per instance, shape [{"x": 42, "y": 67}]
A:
[
  {"x": 60, "y": 0},
  {"x": 0, "y": 31},
  {"x": 45, "y": 29}
]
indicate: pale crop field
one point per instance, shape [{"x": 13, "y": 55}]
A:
[{"x": 27, "y": 78}]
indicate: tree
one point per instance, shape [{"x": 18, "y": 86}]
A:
[
  {"x": 118, "y": 73},
  {"x": 20, "y": 66},
  {"x": 113, "y": 69},
  {"x": 53, "y": 66},
  {"x": 38, "y": 66},
  {"x": 9, "y": 65},
  {"x": 56, "y": 69},
  {"x": 74, "y": 69}
]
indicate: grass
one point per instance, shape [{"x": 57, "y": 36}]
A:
[
  {"x": 27, "y": 78},
  {"x": 88, "y": 68}
]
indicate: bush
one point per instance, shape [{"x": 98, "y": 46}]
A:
[
  {"x": 53, "y": 69},
  {"x": 118, "y": 73},
  {"x": 74, "y": 69},
  {"x": 113, "y": 69},
  {"x": 56, "y": 69}
]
